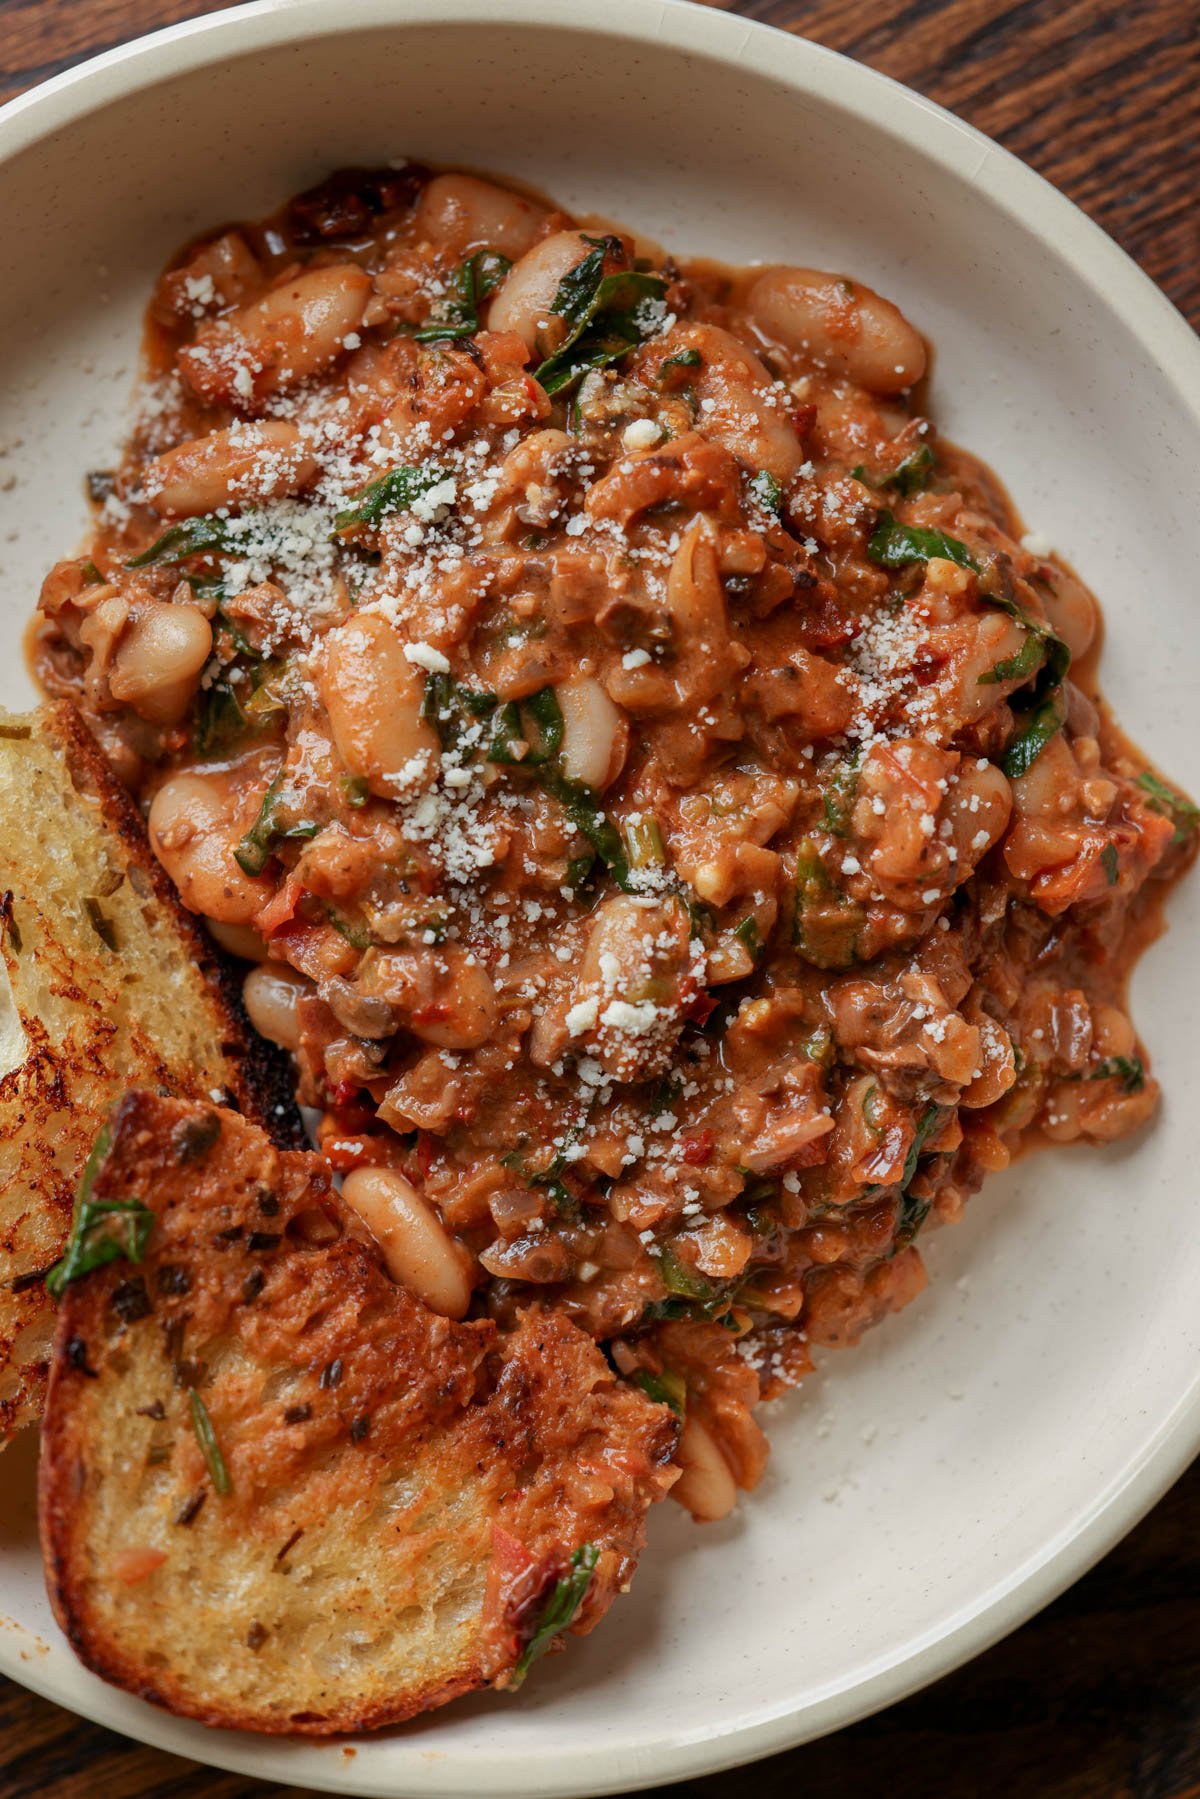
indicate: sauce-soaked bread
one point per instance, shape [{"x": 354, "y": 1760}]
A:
[
  {"x": 105, "y": 982},
  {"x": 280, "y": 1494}
]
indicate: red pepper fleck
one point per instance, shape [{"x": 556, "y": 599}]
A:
[{"x": 698, "y": 1147}]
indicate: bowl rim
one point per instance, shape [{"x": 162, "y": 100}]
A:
[{"x": 1069, "y": 235}]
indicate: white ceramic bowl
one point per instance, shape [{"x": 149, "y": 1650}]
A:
[{"x": 929, "y": 1491}]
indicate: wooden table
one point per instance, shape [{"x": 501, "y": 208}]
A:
[{"x": 1099, "y": 1697}]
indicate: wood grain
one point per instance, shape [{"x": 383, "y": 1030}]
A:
[{"x": 1099, "y": 1697}]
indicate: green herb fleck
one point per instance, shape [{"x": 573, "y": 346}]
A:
[
  {"x": 206, "y": 1436},
  {"x": 766, "y": 491},
  {"x": 1111, "y": 862},
  {"x": 102, "y": 1231},
  {"x": 1129, "y": 1070}
]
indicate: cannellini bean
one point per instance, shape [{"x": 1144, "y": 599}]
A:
[
  {"x": 595, "y": 734},
  {"x": 464, "y": 213},
  {"x": 1070, "y": 608},
  {"x": 1112, "y": 1033},
  {"x": 196, "y": 822},
  {"x": 271, "y": 993},
  {"x": 240, "y": 940},
  {"x": 978, "y": 807},
  {"x": 156, "y": 665},
  {"x": 247, "y": 462},
  {"x": 706, "y": 1486},
  {"x": 842, "y": 325},
  {"x": 417, "y": 1249},
  {"x": 444, "y": 996},
  {"x": 292, "y": 332},
  {"x": 522, "y": 302},
  {"x": 740, "y": 405},
  {"x": 373, "y": 695}
]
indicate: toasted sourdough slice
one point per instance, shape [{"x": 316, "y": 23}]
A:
[
  {"x": 105, "y": 982},
  {"x": 280, "y": 1494}
]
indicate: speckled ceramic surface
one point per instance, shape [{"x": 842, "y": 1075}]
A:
[{"x": 930, "y": 1490}]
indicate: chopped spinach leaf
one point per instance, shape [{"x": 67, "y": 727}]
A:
[
  {"x": 894, "y": 545},
  {"x": 749, "y": 935},
  {"x": 472, "y": 282},
  {"x": 682, "y": 361},
  {"x": 607, "y": 315},
  {"x": 666, "y": 1388},
  {"x": 393, "y": 492},
  {"x": 825, "y": 921},
  {"x": 585, "y": 812},
  {"x": 356, "y": 936},
  {"x": 268, "y": 830},
  {"x": 909, "y": 477},
  {"x": 1111, "y": 863},
  {"x": 1035, "y": 732},
  {"x": 559, "y": 1610},
  {"x": 1028, "y": 659},
  {"x": 1160, "y": 798},
  {"x": 191, "y": 537},
  {"x": 838, "y": 798}
]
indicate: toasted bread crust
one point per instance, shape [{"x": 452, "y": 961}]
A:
[
  {"x": 262, "y": 1083},
  {"x": 84, "y": 1034},
  {"x": 403, "y": 1490}
]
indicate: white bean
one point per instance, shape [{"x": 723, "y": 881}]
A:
[
  {"x": 1070, "y": 608},
  {"x": 196, "y": 822},
  {"x": 740, "y": 406},
  {"x": 595, "y": 734},
  {"x": 373, "y": 695},
  {"x": 842, "y": 325},
  {"x": 417, "y": 1249},
  {"x": 271, "y": 993},
  {"x": 157, "y": 662},
  {"x": 247, "y": 462},
  {"x": 240, "y": 940},
  {"x": 292, "y": 332},
  {"x": 706, "y": 1486},
  {"x": 464, "y": 213},
  {"x": 522, "y": 302}
]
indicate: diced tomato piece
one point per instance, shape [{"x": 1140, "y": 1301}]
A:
[
  {"x": 280, "y": 909},
  {"x": 700, "y": 1008}
]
